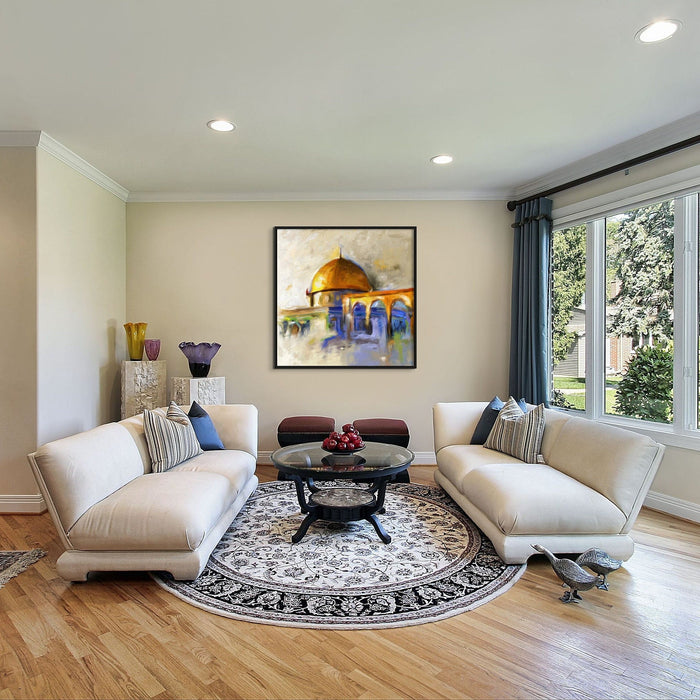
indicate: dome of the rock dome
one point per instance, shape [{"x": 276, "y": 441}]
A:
[{"x": 340, "y": 274}]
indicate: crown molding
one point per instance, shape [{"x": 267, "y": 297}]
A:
[
  {"x": 645, "y": 143},
  {"x": 488, "y": 195},
  {"x": 40, "y": 139},
  {"x": 58, "y": 150}
]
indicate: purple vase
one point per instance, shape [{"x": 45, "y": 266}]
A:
[
  {"x": 152, "y": 348},
  {"x": 199, "y": 356}
]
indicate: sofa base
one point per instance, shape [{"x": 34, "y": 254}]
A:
[
  {"x": 516, "y": 549},
  {"x": 74, "y": 565}
]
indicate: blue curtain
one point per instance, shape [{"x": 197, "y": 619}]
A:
[{"x": 529, "y": 332}]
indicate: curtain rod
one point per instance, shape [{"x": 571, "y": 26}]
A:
[{"x": 694, "y": 140}]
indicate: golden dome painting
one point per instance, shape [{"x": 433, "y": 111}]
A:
[{"x": 345, "y": 297}]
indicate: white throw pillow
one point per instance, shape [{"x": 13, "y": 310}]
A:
[
  {"x": 516, "y": 433},
  {"x": 171, "y": 440}
]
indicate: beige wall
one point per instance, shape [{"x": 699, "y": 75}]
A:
[
  {"x": 17, "y": 318},
  {"x": 63, "y": 290},
  {"x": 679, "y": 474},
  {"x": 76, "y": 263},
  {"x": 204, "y": 272},
  {"x": 81, "y": 300}
]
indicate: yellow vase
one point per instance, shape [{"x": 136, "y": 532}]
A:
[{"x": 135, "y": 335}]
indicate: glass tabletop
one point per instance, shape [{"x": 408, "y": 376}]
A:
[{"x": 310, "y": 459}]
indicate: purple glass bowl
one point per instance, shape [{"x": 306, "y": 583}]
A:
[{"x": 199, "y": 356}]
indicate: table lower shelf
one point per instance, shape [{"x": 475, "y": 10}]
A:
[{"x": 342, "y": 505}]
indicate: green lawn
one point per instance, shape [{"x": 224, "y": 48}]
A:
[
  {"x": 578, "y": 398},
  {"x": 569, "y": 383}
]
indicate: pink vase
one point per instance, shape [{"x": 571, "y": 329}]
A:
[{"x": 152, "y": 348}]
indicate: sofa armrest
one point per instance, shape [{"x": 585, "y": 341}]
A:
[
  {"x": 454, "y": 422},
  {"x": 237, "y": 425}
]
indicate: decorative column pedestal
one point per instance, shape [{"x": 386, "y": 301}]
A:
[
  {"x": 144, "y": 385},
  {"x": 207, "y": 390}
]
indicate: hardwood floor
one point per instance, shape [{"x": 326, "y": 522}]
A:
[{"x": 121, "y": 636}]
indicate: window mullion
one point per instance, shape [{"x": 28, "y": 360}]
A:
[
  {"x": 595, "y": 318},
  {"x": 685, "y": 311}
]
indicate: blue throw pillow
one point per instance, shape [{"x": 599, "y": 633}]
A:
[
  {"x": 488, "y": 419},
  {"x": 204, "y": 428}
]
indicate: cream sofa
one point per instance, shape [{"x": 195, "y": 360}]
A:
[
  {"x": 587, "y": 493},
  {"x": 113, "y": 514}
]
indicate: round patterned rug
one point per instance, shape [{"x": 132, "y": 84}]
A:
[{"x": 438, "y": 564}]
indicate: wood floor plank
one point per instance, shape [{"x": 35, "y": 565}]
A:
[{"x": 122, "y": 636}]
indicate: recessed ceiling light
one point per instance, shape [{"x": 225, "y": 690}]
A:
[
  {"x": 441, "y": 160},
  {"x": 221, "y": 125},
  {"x": 657, "y": 31}
]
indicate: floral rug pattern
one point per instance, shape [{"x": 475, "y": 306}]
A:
[{"x": 438, "y": 564}]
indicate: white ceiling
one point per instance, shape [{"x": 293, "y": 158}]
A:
[{"x": 341, "y": 97}]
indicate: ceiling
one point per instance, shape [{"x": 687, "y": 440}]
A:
[{"x": 346, "y": 98}]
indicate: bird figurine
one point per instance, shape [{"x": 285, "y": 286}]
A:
[
  {"x": 599, "y": 561},
  {"x": 573, "y": 576}
]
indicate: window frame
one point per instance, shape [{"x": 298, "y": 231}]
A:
[{"x": 684, "y": 187}]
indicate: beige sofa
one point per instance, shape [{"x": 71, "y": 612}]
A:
[
  {"x": 113, "y": 514},
  {"x": 587, "y": 493}
]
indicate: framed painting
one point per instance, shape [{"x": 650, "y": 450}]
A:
[{"x": 345, "y": 297}]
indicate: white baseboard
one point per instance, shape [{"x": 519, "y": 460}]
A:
[
  {"x": 421, "y": 457},
  {"x": 673, "y": 506},
  {"x": 20, "y": 503}
]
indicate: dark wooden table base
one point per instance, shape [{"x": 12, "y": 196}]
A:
[{"x": 341, "y": 505}]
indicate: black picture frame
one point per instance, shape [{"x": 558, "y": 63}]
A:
[{"x": 345, "y": 297}]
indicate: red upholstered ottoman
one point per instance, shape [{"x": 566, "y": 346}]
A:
[
  {"x": 297, "y": 429},
  {"x": 390, "y": 430}
]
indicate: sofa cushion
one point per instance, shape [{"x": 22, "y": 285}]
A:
[
  {"x": 611, "y": 460},
  {"x": 456, "y": 461},
  {"x": 204, "y": 428},
  {"x": 236, "y": 465},
  {"x": 68, "y": 466},
  {"x": 169, "y": 511},
  {"x": 516, "y": 433},
  {"x": 488, "y": 419},
  {"x": 170, "y": 440},
  {"x": 532, "y": 499}
]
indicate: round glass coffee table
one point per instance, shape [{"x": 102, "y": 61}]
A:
[{"x": 308, "y": 462}]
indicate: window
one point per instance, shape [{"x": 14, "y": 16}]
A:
[
  {"x": 568, "y": 313},
  {"x": 639, "y": 248},
  {"x": 624, "y": 315}
]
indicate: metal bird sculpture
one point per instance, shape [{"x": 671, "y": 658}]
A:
[
  {"x": 599, "y": 561},
  {"x": 573, "y": 576}
]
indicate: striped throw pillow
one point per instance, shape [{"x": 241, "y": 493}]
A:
[
  {"x": 516, "y": 433},
  {"x": 170, "y": 439}
]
